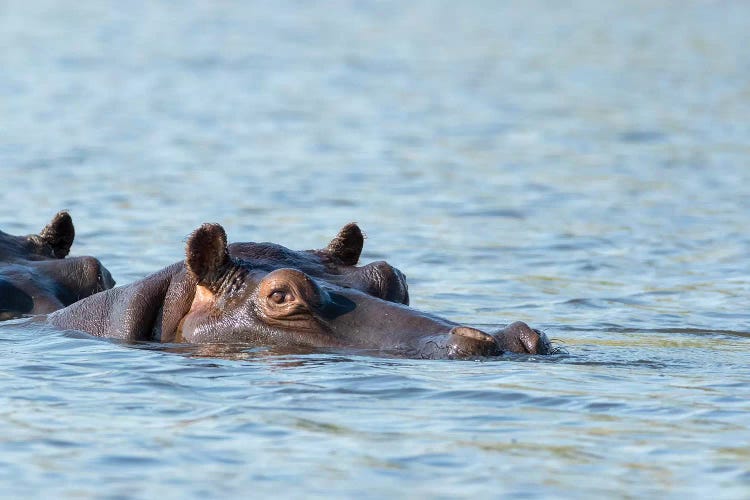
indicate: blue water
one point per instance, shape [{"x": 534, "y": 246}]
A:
[{"x": 582, "y": 166}]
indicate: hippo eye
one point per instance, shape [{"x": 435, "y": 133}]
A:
[{"x": 279, "y": 297}]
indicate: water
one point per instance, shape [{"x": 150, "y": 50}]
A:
[{"x": 582, "y": 167}]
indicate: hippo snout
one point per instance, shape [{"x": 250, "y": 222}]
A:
[{"x": 466, "y": 342}]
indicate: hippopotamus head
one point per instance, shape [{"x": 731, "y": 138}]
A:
[
  {"x": 240, "y": 301},
  {"x": 35, "y": 275},
  {"x": 335, "y": 264}
]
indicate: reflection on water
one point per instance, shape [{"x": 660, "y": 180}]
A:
[{"x": 579, "y": 167}]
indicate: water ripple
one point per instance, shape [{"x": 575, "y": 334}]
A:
[{"x": 585, "y": 173}]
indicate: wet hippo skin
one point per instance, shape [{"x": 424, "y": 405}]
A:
[
  {"x": 335, "y": 264},
  {"x": 262, "y": 294},
  {"x": 37, "y": 277}
]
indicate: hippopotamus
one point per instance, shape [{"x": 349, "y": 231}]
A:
[
  {"x": 37, "y": 278},
  {"x": 261, "y": 294}
]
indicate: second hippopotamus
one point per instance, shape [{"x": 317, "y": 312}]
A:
[{"x": 37, "y": 277}]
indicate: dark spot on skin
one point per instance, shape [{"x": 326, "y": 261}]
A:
[
  {"x": 12, "y": 299},
  {"x": 336, "y": 305}
]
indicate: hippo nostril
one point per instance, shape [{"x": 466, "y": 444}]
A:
[
  {"x": 530, "y": 341},
  {"x": 467, "y": 342},
  {"x": 543, "y": 345},
  {"x": 520, "y": 338},
  {"x": 472, "y": 333},
  {"x": 528, "y": 337}
]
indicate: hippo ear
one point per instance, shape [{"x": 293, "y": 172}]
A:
[
  {"x": 59, "y": 234},
  {"x": 206, "y": 254},
  {"x": 347, "y": 245}
]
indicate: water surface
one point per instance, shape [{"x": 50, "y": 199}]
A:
[{"x": 579, "y": 167}]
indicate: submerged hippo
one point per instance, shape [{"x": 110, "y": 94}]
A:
[
  {"x": 35, "y": 276},
  {"x": 276, "y": 297}
]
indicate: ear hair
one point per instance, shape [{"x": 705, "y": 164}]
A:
[
  {"x": 347, "y": 245},
  {"x": 59, "y": 234},
  {"x": 206, "y": 254}
]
